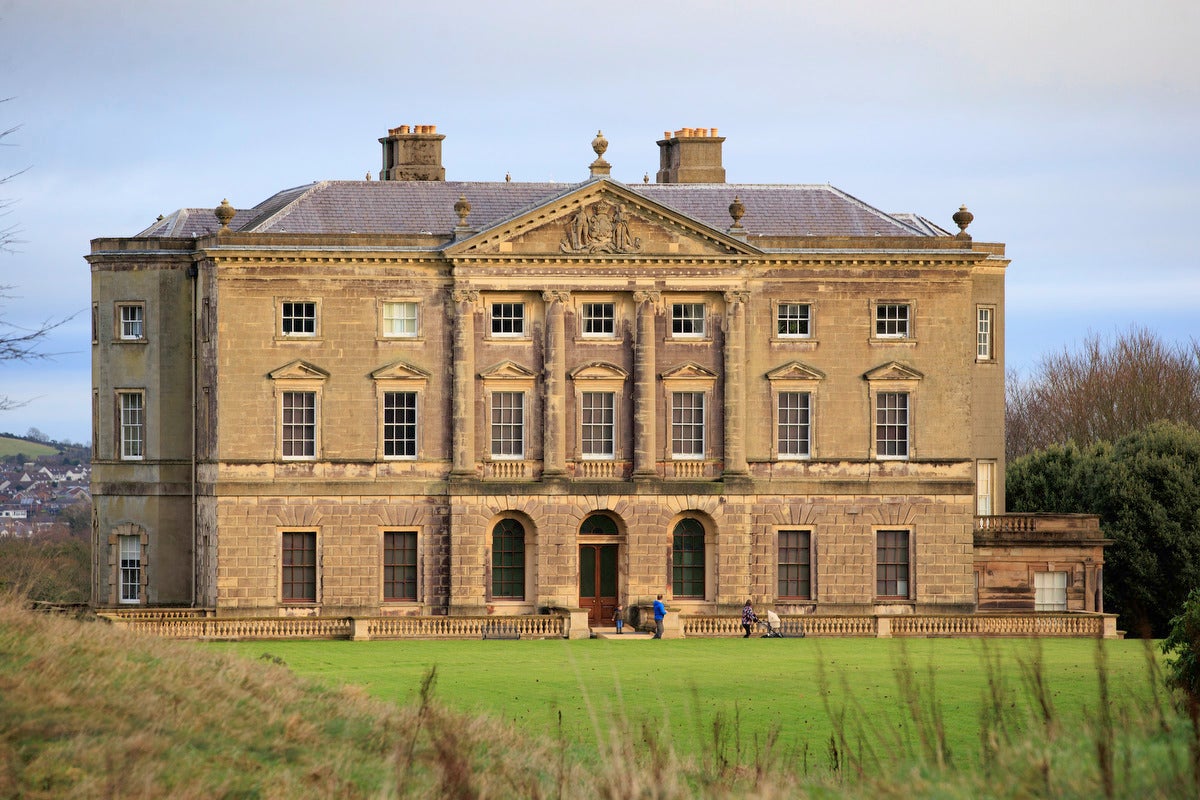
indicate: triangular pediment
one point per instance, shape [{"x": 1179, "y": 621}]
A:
[
  {"x": 599, "y": 370},
  {"x": 400, "y": 370},
  {"x": 893, "y": 371},
  {"x": 298, "y": 370},
  {"x": 507, "y": 369},
  {"x": 795, "y": 371},
  {"x": 601, "y": 219},
  {"x": 689, "y": 369}
]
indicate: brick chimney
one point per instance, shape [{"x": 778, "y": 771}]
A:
[
  {"x": 412, "y": 153},
  {"x": 690, "y": 155}
]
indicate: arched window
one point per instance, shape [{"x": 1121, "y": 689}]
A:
[
  {"x": 598, "y": 525},
  {"x": 687, "y": 559},
  {"x": 508, "y": 560}
]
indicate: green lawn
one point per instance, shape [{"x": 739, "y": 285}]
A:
[
  {"x": 11, "y": 447},
  {"x": 751, "y": 685}
]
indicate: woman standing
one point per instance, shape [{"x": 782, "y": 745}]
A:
[{"x": 748, "y": 618}]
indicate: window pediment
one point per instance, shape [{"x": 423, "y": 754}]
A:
[
  {"x": 893, "y": 371},
  {"x": 689, "y": 370},
  {"x": 795, "y": 371},
  {"x": 599, "y": 370},
  {"x": 400, "y": 371},
  {"x": 298, "y": 370},
  {"x": 507, "y": 370}
]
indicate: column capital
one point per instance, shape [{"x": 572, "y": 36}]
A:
[
  {"x": 556, "y": 296},
  {"x": 734, "y": 297},
  {"x": 647, "y": 295},
  {"x": 464, "y": 295}
]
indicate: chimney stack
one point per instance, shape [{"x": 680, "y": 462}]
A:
[
  {"x": 690, "y": 155},
  {"x": 412, "y": 153}
]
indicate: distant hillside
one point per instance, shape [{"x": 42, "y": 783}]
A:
[{"x": 10, "y": 446}]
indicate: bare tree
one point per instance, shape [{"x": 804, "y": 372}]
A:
[
  {"x": 1110, "y": 387},
  {"x": 17, "y": 343}
]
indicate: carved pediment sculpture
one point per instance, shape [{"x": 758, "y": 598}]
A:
[{"x": 602, "y": 227}]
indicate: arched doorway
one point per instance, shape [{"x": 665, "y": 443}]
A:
[{"x": 598, "y": 568}]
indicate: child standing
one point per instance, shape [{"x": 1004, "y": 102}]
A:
[{"x": 619, "y": 617}]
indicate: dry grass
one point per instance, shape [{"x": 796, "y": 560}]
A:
[{"x": 87, "y": 711}]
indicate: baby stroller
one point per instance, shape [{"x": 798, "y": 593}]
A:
[{"x": 774, "y": 626}]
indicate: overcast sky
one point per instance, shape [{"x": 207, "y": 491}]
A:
[{"x": 1070, "y": 129}]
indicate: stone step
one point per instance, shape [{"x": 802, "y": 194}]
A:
[{"x": 629, "y": 633}]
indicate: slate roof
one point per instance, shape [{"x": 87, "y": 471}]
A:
[{"x": 414, "y": 207}]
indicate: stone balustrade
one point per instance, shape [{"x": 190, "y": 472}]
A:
[{"x": 1093, "y": 626}]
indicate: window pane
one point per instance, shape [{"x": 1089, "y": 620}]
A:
[
  {"x": 130, "y": 554},
  {"x": 1049, "y": 591},
  {"x": 508, "y": 560},
  {"x": 891, "y": 564},
  {"x": 793, "y": 320},
  {"x": 400, "y": 565},
  {"x": 795, "y": 564},
  {"x": 508, "y": 319},
  {"x": 400, "y": 424},
  {"x": 299, "y": 567},
  {"x": 599, "y": 319},
  {"x": 299, "y": 412},
  {"x": 983, "y": 334},
  {"x": 687, "y": 424},
  {"x": 984, "y": 491},
  {"x": 508, "y": 424},
  {"x": 891, "y": 320},
  {"x": 687, "y": 559},
  {"x": 794, "y": 423},
  {"x": 132, "y": 324},
  {"x": 687, "y": 319},
  {"x": 400, "y": 319},
  {"x": 891, "y": 424},
  {"x": 299, "y": 319},
  {"x": 597, "y": 418},
  {"x": 133, "y": 422}
]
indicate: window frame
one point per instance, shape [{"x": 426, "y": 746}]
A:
[
  {"x": 683, "y": 575},
  {"x": 681, "y": 320},
  {"x": 288, "y": 571},
  {"x": 985, "y": 333},
  {"x": 586, "y": 319},
  {"x": 1039, "y": 591},
  {"x": 314, "y": 424},
  {"x": 522, "y": 440},
  {"x": 384, "y": 305},
  {"x": 805, "y": 547},
  {"x": 880, "y": 317},
  {"x": 415, "y": 424},
  {"x": 138, "y": 319},
  {"x": 125, "y": 425},
  {"x": 985, "y": 487},
  {"x": 807, "y": 424},
  {"x": 287, "y": 320},
  {"x": 610, "y": 424},
  {"x": 388, "y": 539},
  {"x": 677, "y": 425},
  {"x": 780, "y": 320},
  {"x": 518, "y": 322},
  {"x": 505, "y": 577},
  {"x": 882, "y": 444},
  {"x": 129, "y": 576},
  {"x": 900, "y": 570}
]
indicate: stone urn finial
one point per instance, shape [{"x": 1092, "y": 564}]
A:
[
  {"x": 737, "y": 210},
  {"x": 463, "y": 209},
  {"x": 600, "y": 166},
  {"x": 224, "y": 214},
  {"x": 962, "y": 218}
]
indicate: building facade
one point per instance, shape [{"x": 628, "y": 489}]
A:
[{"x": 413, "y": 396}]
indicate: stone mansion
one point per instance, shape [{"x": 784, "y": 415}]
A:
[{"x": 416, "y": 397}]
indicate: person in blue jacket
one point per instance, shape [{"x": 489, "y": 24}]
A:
[{"x": 660, "y": 611}]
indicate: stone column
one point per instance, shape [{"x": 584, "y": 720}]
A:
[
  {"x": 462, "y": 321},
  {"x": 554, "y": 407},
  {"x": 645, "y": 429},
  {"x": 735, "y": 383}
]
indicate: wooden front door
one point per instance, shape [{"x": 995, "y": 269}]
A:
[{"x": 598, "y": 582}]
